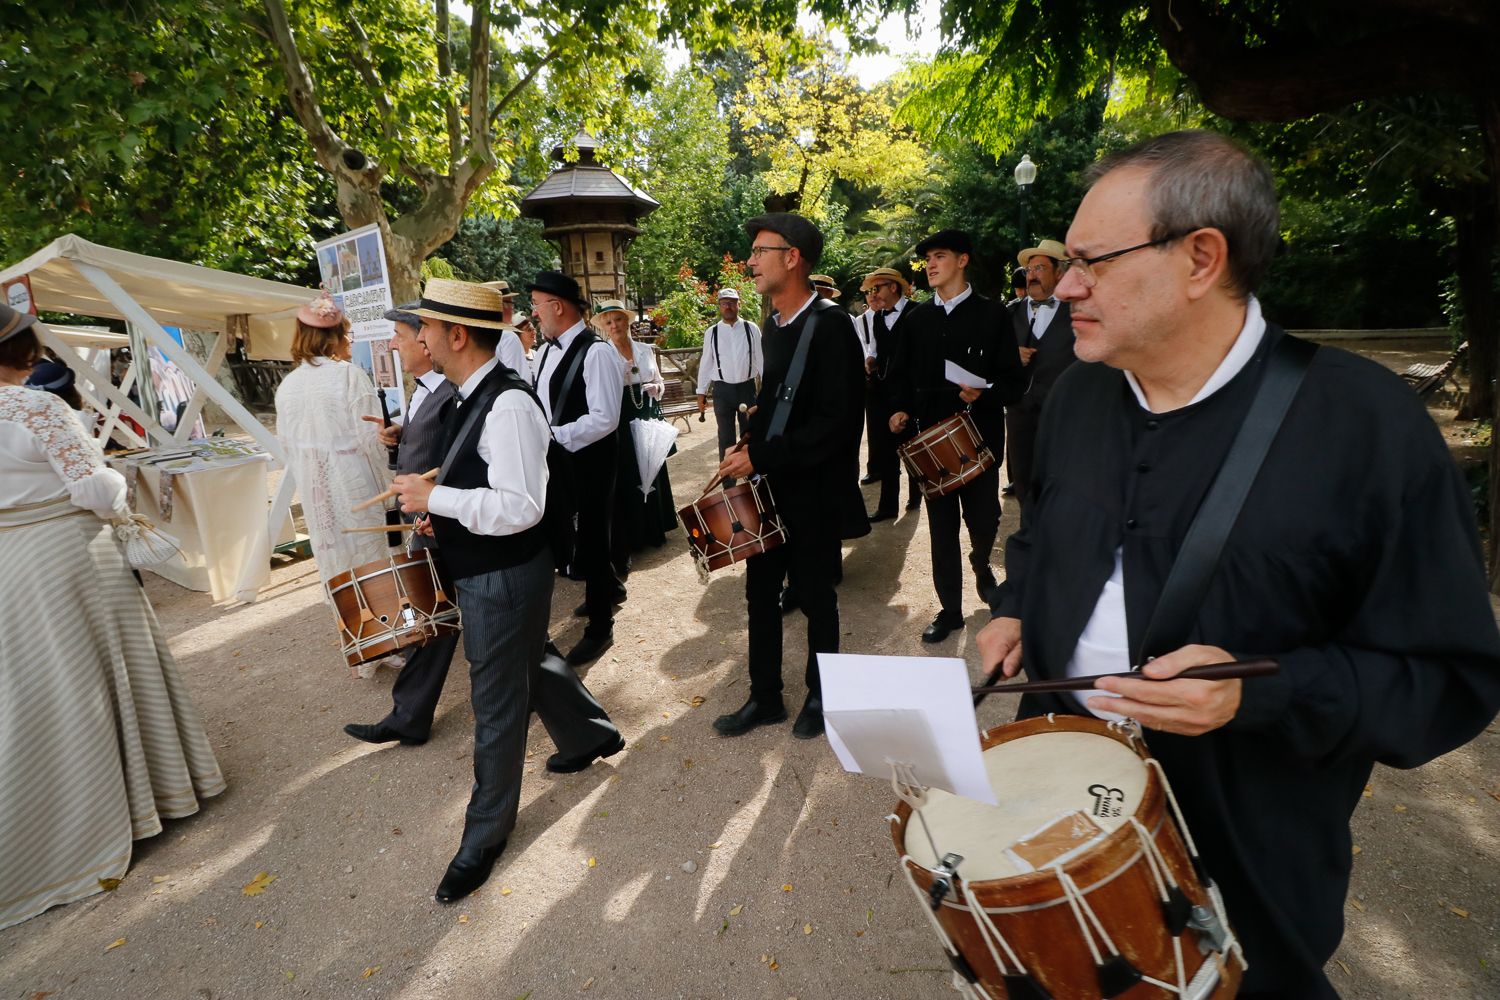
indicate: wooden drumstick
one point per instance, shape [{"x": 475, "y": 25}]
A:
[
  {"x": 1207, "y": 672},
  {"x": 749, "y": 411},
  {"x": 429, "y": 474},
  {"x": 380, "y": 527}
]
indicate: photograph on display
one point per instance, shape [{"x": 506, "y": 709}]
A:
[
  {"x": 349, "y": 266},
  {"x": 371, "y": 267},
  {"x": 328, "y": 269},
  {"x": 362, "y": 292}
]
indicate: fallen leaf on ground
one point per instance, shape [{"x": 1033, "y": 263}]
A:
[
  {"x": 593, "y": 862},
  {"x": 787, "y": 887},
  {"x": 664, "y": 739},
  {"x": 717, "y": 843},
  {"x": 1356, "y": 849},
  {"x": 807, "y": 928},
  {"x": 259, "y": 924},
  {"x": 738, "y": 909},
  {"x": 506, "y": 891},
  {"x": 159, "y": 879},
  {"x": 722, "y": 928},
  {"x": 666, "y": 715},
  {"x": 775, "y": 965},
  {"x": 1369, "y": 791},
  {"x": 41, "y": 994},
  {"x": 1356, "y": 904},
  {"x": 369, "y": 972},
  {"x": 1459, "y": 911},
  {"x": 258, "y": 884},
  {"x": 463, "y": 918},
  {"x": 698, "y": 699},
  {"x": 290, "y": 975},
  {"x": 114, "y": 944},
  {"x": 1400, "y": 808},
  {"x": 588, "y": 984},
  {"x": 395, "y": 831},
  {"x": 110, "y": 884},
  {"x": 1343, "y": 966}
]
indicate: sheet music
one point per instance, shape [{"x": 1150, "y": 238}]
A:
[{"x": 959, "y": 375}]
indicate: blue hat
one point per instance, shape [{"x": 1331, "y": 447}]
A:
[{"x": 53, "y": 376}]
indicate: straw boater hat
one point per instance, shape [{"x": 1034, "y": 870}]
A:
[
  {"x": 885, "y": 274},
  {"x": 462, "y": 302},
  {"x": 321, "y": 312},
  {"x": 13, "y": 322},
  {"x": 1046, "y": 248},
  {"x": 607, "y": 306},
  {"x": 826, "y": 284},
  {"x": 503, "y": 287}
]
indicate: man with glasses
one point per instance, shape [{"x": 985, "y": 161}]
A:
[
  {"x": 1353, "y": 562},
  {"x": 961, "y": 327},
  {"x": 1044, "y": 337},
  {"x": 804, "y": 437}
]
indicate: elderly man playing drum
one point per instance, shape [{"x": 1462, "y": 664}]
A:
[{"x": 1352, "y": 559}]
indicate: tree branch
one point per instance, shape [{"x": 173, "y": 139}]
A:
[
  {"x": 363, "y": 59},
  {"x": 445, "y": 70},
  {"x": 479, "y": 82},
  {"x": 525, "y": 81},
  {"x": 301, "y": 93}
]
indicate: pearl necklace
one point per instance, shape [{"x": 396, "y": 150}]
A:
[{"x": 632, "y": 386}]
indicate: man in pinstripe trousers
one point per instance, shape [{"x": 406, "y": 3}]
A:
[{"x": 485, "y": 511}]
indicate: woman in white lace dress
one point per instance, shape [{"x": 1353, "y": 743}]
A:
[{"x": 99, "y": 739}]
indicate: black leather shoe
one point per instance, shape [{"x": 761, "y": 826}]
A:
[
  {"x": 809, "y": 724},
  {"x": 789, "y": 600},
  {"x": 914, "y": 500},
  {"x": 942, "y": 626},
  {"x": 558, "y": 764},
  {"x": 617, "y": 599},
  {"x": 589, "y": 649},
  {"x": 381, "y": 733},
  {"x": 1009, "y": 490},
  {"x": 467, "y": 872},
  {"x": 882, "y": 515},
  {"x": 751, "y": 714},
  {"x": 984, "y": 582},
  {"x": 871, "y": 478}
]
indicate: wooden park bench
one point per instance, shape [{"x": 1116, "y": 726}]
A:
[
  {"x": 679, "y": 370},
  {"x": 1428, "y": 379}
]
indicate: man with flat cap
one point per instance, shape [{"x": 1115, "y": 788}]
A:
[
  {"x": 580, "y": 382},
  {"x": 1044, "y": 336},
  {"x": 804, "y": 438},
  {"x": 963, "y": 327},
  {"x": 418, "y": 437},
  {"x": 730, "y": 364},
  {"x": 885, "y": 290},
  {"x": 486, "y": 510}
]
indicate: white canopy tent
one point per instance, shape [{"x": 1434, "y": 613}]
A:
[{"x": 73, "y": 275}]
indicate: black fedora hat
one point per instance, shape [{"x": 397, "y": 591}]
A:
[{"x": 558, "y": 284}]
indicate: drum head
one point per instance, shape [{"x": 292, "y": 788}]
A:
[{"x": 1036, "y": 779}]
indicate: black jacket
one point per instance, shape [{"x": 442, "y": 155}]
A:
[{"x": 1054, "y": 351}]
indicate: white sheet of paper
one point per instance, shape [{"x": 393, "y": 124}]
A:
[
  {"x": 914, "y": 709},
  {"x": 959, "y": 375}
]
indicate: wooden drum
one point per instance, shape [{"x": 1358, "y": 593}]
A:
[
  {"x": 732, "y": 525},
  {"x": 947, "y": 455},
  {"x": 1080, "y": 884},
  {"x": 389, "y": 604}
]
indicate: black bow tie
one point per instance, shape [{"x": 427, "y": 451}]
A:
[
  {"x": 887, "y": 312},
  {"x": 1046, "y": 302}
]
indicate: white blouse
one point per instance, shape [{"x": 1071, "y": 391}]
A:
[
  {"x": 646, "y": 373},
  {"x": 45, "y": 454}
]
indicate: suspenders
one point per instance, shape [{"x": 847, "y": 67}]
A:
[{"x": 749, "y": 351}]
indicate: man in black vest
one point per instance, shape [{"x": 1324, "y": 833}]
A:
[
  {"x": 961, "y": 327},
  {"x": 804, "y": 437},
  {"x": 419, "y": 437},
  {"x": 885, "y": 290},
  {"x": 579, "y": 382},
  {"x": 1044, "y": 336},
  {"x": 486, "y": 512}
]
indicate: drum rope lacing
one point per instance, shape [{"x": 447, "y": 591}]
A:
[{"x": 962, "y": 985}]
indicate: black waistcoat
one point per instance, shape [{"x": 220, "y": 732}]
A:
[
  {"x": 591, "y": 459},
  {"x": 423, "y": 441},
  {"x": 462, "y": 552}
]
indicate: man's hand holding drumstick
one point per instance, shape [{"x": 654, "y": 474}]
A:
[
  {"x": 737, "y": 464},
  {"x": 412, "y": 492}
]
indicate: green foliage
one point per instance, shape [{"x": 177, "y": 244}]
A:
[
  {"x": 689, "y": 310},
  {"x": 489, "y": 249}
]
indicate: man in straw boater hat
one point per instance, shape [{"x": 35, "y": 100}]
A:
[
  {"x": 1044, "y": 336},
  {"x": 959, "y": 326},
  {"x": 579, "y": 383},
  {"x": 825, "y": 286},
  {"x": 485, "y": 510},
  {"x": 885, "y": 290},
  {"x": 418, "y": 436},
  {"x": 804, "y": 437},
  {"x": 1352, "y": 560},
  {"x": 731, "y": 362}
]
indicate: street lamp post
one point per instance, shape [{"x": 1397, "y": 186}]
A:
[{"x": 1025, "y": 176}]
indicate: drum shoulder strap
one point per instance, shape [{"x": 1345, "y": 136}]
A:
[
  {"x": 1183, "y": 593},
  {"x": 782, "y": 411}
]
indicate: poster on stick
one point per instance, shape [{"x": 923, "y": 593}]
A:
[{"x": 352, "y": 266}]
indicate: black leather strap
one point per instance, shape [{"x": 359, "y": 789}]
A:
[
  {"x": 788, "y": 388},
  {"x": 570, "y": 377},
  {"x": 1194, "y": 566}
]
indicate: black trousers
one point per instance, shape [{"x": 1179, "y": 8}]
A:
[
  {"x": 872, "y": 422},
  {"x": 979, "y": 503},
  {"x": 594, "y": 495},
  {"x": 1020, "y": 448},
  {"x": 887, "y": 463},
  {"x": 810, "y": 559},
  {"x": 419, "y": 685}
]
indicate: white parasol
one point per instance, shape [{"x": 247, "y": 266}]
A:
[{"x": 653, "y": 439}]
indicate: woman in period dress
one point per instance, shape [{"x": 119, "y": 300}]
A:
[
  {"x": 639, "y": 520},
  {"x": 333, "y": 454},
  {"x": 99, "y": 738}
]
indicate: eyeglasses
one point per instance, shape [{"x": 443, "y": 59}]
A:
[
  {"x": 1039, "y": 268},
  {"x": 1085, "y": 265},
  {"x": 757, "y": 251}
]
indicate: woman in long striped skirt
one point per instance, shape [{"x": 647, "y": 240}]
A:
[{"x": 99, "y": 739}]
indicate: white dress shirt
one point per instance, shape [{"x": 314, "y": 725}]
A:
[
  {"x": 646, "y": 375},
  {"x": 512, "y": 353},
  {"x": 864, "y": 329},
  {"x": 950, "y": 304},
  {"x": 514, "y": 446},
  {"x": 602, "y": 383},
  {"x": 1104, "y": 645},
  {"x": 776, "y": 316},
  {"x": 737, "y": 358},
  {"x": 427, "y": 384},
  {"x": 1039, "y": 315}
]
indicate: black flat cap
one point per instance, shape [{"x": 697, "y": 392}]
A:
[
  {"x": 797, "y": 231},
  {"x": 955, "y": 240},
  {"x": 403, "y": 314},
  {"x": 558, "y": 284}
]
